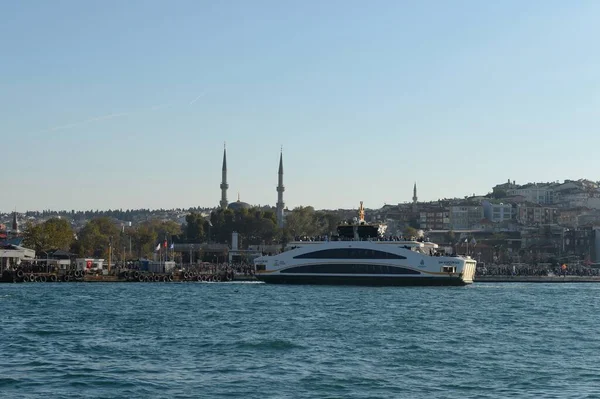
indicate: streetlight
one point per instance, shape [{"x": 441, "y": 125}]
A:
[
  {"x": 209, "y": 226},
  {"x": 109, "y": 252},
  {"x": 47, "y": 267}
]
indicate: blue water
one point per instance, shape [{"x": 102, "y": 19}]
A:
[{"x": 192, "y": 340}]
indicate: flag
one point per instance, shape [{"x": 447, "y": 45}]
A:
[
  {"x": 165, "y": 244},
  {"x": 473, "y": 241},
  {"x": 172, "y": 245},
  {"x": 466, "y": 240},
  {"x": 157, "y": 248}
]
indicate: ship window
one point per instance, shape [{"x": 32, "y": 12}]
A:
[
  {"x": 449, "y": 269},
  {"x": 352, "y": 268},
  {"x": 349, "y": 253},
  {"x": 261, "y": 268}
]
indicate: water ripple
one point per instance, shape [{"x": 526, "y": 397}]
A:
[{"x": 263, "y": 341}]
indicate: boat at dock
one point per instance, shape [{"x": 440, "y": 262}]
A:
[{"x": 361, "y": 255}]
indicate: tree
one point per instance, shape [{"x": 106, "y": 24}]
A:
[
  {"x": 499, "y": 193},
  {"x": 301, "y": 221},
  {"x": 149, "y": 234},
  {"x": 194, "y": 227},
  {"x": 410, "y": 232},
  {"x": 53, "y": 234},
  {"x": 223, "y": 224},
  {"x": 414, "y": 222},
  {"x": 60, "y": 233},
  {"x": 254, "y": 226},
  {"x": 450, "y": 237},
  {"x": 327, "y": 222},
  {"x": 34, "y": 237},
  {"x": 94, "y": 237}
]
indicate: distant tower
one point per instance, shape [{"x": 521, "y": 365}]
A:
[
  {"x": 280, "y": 190},
  {"x": 15, "y": 226},
  {"x": 224, "y": 185},
  {"x": 415, "y": 193}
]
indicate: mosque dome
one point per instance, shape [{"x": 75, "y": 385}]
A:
[{"x": 238, "y": 205}]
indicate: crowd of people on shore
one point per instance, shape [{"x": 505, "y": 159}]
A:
[
  {"x": 528, "y": 270},
  {"x": 338, "y": 238},
  {"x": 240, "y": 268}
]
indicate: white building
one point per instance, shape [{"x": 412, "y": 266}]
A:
[
  {"x": 464, "y": 216},
  {"x": 89, "y": 264},
  {"x": 536, "y": 193},
  {"x": 12, "y": 256},
  {"x": 497, "y": 213}
]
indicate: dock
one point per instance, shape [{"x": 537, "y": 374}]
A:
[
  {"x": 537, "y": 279},
  {"x": 132, "y": 276}
]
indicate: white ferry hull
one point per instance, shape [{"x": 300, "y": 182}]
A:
[
  {"x": 361, "y": 280},
  {"x": 364, "y": 263}
]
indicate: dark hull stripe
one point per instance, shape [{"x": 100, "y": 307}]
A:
[{"x": 360, "y": 280}]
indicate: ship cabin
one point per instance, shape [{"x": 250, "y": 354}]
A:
[{"x": 360, "y": 230}]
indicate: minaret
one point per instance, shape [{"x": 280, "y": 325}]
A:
[
  {"x": 280, "y": 190},
  {"x": 15, "y": 226},
  {"x": 224, "y": 185},
  {"x": 415, "y": 193}
]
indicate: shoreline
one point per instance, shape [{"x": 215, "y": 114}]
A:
[
  {"x": 116, "y": 279},
  {"x": 536, "y": 279},
  {"x": 477, "y": 279}
]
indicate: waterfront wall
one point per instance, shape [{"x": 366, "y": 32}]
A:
[{"x": 537, "y": 279}]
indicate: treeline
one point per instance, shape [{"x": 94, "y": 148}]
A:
[
  {"x": 127, "y": 215},
  {"x": 255, "y": 226},
  {"x": 94, "y": 239}
]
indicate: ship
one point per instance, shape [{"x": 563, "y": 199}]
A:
[{"x": 360, "y": 254}]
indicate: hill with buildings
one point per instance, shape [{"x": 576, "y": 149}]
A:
[{"x": 512, "y": 223}]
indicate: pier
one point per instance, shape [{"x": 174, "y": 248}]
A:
[
  {"x": 537, "y": 279},
  {"x": 128, "y": 277}
]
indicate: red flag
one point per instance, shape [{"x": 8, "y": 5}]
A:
[{"x": 165, "y": 244}]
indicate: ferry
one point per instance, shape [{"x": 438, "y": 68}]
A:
[{"x": 361, "y": 255}]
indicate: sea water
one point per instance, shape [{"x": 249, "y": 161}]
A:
[{"x": 225, "y": 340}]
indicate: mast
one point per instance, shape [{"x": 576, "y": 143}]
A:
[{"x": 109, "y": 252}]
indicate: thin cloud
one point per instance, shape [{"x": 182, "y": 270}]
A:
[
  {"x": 108, "y": 116},
  {"x": 84, "y": 122},
  {"x": 197, "y": 98}
]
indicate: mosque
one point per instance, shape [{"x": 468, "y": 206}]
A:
[{"x": 279, "y": 208}]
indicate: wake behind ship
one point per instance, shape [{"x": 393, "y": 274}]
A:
[{"x": 360, "y": 255}]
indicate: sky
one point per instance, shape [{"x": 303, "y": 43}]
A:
[{"x": 127, "y": 104}]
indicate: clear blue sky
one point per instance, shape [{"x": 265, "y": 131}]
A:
[{"x": 126, "y": 104}]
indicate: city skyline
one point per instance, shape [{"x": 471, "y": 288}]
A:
[{"x": 128, "y": 106}]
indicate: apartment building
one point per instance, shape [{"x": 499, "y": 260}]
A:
[
  {"x": 466, "y": 215},
  {"x": 534, "y": 214},
  {"x": 497, "y": 212},
  {"x": 434, "y": 218}
]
